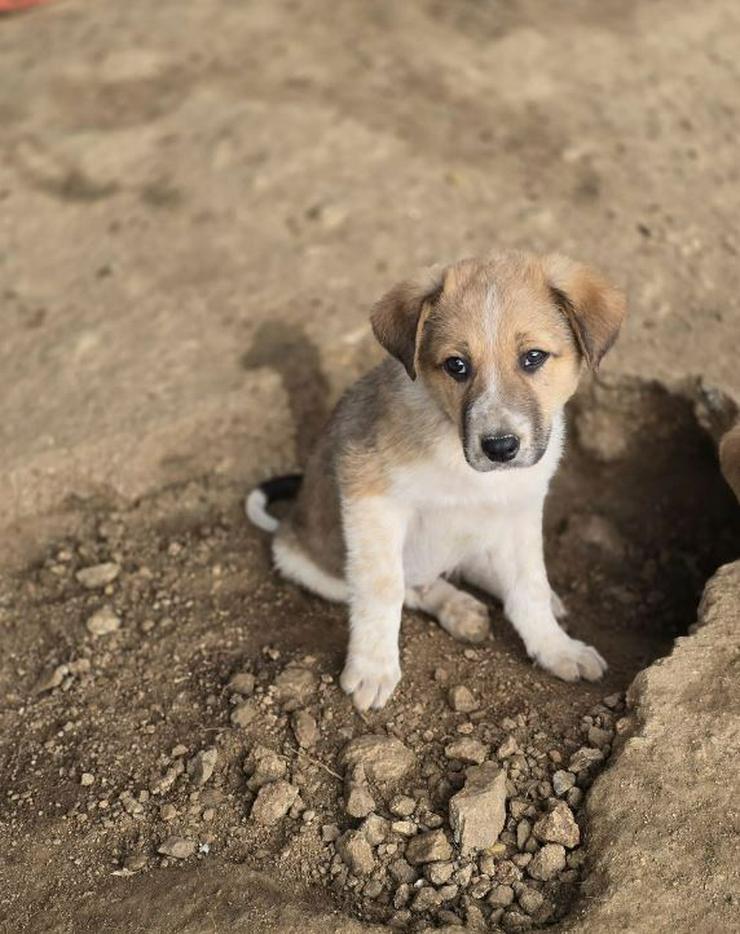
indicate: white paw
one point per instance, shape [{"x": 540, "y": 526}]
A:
[
  {"x": 569, "y": 659},
  {"x": 370, "y": 680},
  {"x": 559, "y": 609},
  {"x": 465, "y": 618}
]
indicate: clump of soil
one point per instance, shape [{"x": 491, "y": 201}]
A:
[{"x": 167, "y": 699}]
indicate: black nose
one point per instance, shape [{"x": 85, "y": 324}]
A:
[{"x": 501, "y": 448}]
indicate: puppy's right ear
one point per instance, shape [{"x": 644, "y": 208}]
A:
[{"x": 395, "y": 317}]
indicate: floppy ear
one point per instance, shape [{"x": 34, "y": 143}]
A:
[
  {"x": 395, "y": 317},
  {"x": 595, "y": 309}
]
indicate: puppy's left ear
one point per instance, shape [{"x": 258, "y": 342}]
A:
[
  {"x": 395, "y": 317},
  {"x": 595, "y": 309}
]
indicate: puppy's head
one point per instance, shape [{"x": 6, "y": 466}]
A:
[{"x": 500, "y": 344}]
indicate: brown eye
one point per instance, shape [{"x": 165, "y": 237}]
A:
[
  {"x": 533, "y": 359},
  {"x": 457, "y": 368}
]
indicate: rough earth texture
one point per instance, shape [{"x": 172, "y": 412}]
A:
[{"x": 198, "y": 203}]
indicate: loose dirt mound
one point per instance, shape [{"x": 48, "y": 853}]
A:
[{"x": 169, "y": 700}]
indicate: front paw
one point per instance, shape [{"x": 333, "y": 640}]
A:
[
  {"x": 465, "y": 618},
  {"x": 370, "y": 680},
  {"x": 569, "y": 659}
]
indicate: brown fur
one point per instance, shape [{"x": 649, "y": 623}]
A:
[{"x": 548, "y": 303}]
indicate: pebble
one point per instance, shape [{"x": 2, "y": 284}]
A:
[
  {"x": 547, "y": 862},
  {"x": 356, "y": 852},
  {"x": 329, "y": 833},
  {"x": 584, "y": 758},
  {"x": 86, "y": 779},
  {"x": 426, "y": 899},
  {"x": 52, "y": 680},
  {"x": 599, "y": 737},
  {"x": 103, "y": 622},
  {"x": 243, "y": 714},
  {"x": 98, "y": 575},
  {"x": 242, "y": 682},
  {"x": 428, "y": 847},
  {"x": 177, "y": 848},
  {"x": 273, "y": 802},
  {"x": 358, "y": 801},
  {"x": 168, "y": 812},
  {"x": 407, "y": 828},
  {"x": 509, "y": 747},
  {"x": 531, "y": 900},
  {"x": 461, "y": 699},
  {"x": 478, "y": 812},
  {"x": 559, "y": 826},
  {"x": 438, "y": 873},
  {"x": 169, "y": 778},
  {"x": 501, "y": 896},
  {"x": 305, "y": 728},
  {"x": 270, "y": 767},
  {"x": 375, "y": 829},
  {"x": 523, "y": 830},
  {"x": 467, "y": 750},
  {"x": 562, "y": 782},
  {"x": 402, "y": 805},
  {"x": 135, "y": 862},
  {"x": 295, "y": 686},
  {"x": 385, "y": 758},
  {"x": 574, "y": 797},
  {"x": 515, "y": 921},
  {"x": 201, "y": 766},
  {"x": 402, "y": 871},
  {"x": 612, "y": 701}
]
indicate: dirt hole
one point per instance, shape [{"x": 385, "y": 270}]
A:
[{"x": 98, "y": 733}]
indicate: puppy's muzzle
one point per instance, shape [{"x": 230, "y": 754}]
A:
[{"x": 500, "y": 448}]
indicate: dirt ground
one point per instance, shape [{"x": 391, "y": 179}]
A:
[{"x": 197, "y": 207}]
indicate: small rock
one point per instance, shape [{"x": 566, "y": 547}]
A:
[
  {"x": 201, "y": 766},
  {"x": 243, "y": 683},
  {"x": 574, "y": 797},
  {"x": 548, "y": 862},
  {"x": 562, "y": 782},
  {"x": 428, "y": 847},
  {"x": 426, "y": 899},
  {"x": 135, "y": 862},
  {"x": 168, "y": 812},
  {"x": 509, "y": 747},
  {"x": 559, "y": 826},
  {"x": 467, "y": 750},
  {"x": 329, "y": 833},
  {"x": 273, "y": 802},
  {"x": 531, "y": 900},
  {"x": 373, "y": 888},
  {"x": 478, "y": 812},
  {"x": 613, "y": 701},
  {"x": 169, "y": 778},
  {"x": 86, "y": 779},
  {"x": 439, "y": 873},
  {"x": 269, "y": 768},
  {"x": 356, "y": 852},
  {"x": 515, "y": 921},
  {"x": 523, "y": 830},
  {"x": 103, "y": 622},
  {"x": 243, "y": 714},
  {"x": 598, "y": 737},
  {"x": 462, "y": 700},
  {"x": 501, "y": 896},
  {"x": 178, "y": 751},
  {"x": 294, "y": 686},
  {"x": 305, "y": 728},
  {"x": 358, "y": 802},
  {"x": 99, "y": 575},
  {"x": 375, "y": 829},
  {"x": 177, "y": 848},
  {"x": 52, "y": 680},
  {"x": 407, "y": 828},
  {"x": 385, "y": 758},
  {"x": 402, "y": 805},
  {"x": 402, "y": 872},
  {"x": 584, "y": 758}
]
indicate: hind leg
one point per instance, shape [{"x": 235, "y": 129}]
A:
[{"x": 456, "y": 611}]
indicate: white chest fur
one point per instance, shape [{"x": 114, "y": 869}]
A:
[{"x": 455, "y": 511}]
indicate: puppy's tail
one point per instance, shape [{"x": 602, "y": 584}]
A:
[{"x": 256, "y": 503}]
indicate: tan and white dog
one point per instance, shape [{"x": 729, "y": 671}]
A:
[{"x": 435, "y": 465}]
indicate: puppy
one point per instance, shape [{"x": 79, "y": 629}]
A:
[{"x": 435, "y": 465}]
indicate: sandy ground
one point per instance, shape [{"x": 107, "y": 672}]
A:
[{"x": 197, "y": 207}]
